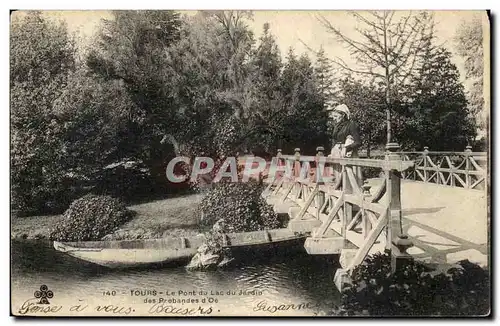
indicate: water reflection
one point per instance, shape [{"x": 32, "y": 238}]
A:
[{"x": 281, "y": 276}]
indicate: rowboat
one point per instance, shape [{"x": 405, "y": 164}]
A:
[{"x": 136, "y": 253}]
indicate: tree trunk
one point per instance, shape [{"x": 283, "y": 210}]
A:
[
  {"x": 387, "y": 86},
  {"x": 388, "y": 114}
]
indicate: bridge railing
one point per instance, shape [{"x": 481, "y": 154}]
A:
[
  {"x": 345, "y": 204},
  {"x": 465, "y": 169}
]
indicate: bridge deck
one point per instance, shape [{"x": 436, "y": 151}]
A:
[{"x": 446, "y": 224}]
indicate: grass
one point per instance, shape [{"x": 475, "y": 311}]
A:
[
  {"x": 32, "y": 227},
  {"x": 168, "y": 217}
]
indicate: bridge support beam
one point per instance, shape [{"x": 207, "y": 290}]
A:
[
  {"x": 302, "y": 224},
  {"x": 330, "y": 243},
  {"x": 397, "y": 242}
]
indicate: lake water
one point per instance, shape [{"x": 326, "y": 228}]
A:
[{"x": 260, "y": 284}]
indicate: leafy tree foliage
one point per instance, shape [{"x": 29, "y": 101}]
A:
[
  {"x": 210, "y": 65},
  {"x": 132, "y": 48},
  {"x": 41, "y": 55},
  {"x": 436, "y": 113},
  {"x": 367, "y": 104},
  {"x": 306, "y": 120},
  {"x": 469, "y": 45},
  {"x": 325, "y": 79},
  {"x": 264, "y": 119},
  {"x": 155, "y": 84}
]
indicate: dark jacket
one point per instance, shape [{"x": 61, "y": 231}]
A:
[{"x": 344, "y": 129}]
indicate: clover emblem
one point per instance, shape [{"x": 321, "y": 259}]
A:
[{"x": 44, "y": 294}]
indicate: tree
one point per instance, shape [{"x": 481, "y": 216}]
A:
[
  {"x": 324, "y": 76},
  {"x": 437, "y": 113},
  {"x": 263, "y": 120},
  {"x": 387, "y": 50},
  {"x": 305, "y": 122},
  {"x": 367, "y": 102},
  {"x": 92, "y": 116},
  {"x": 211, "y": 67},
  {"x": 41, "y": 56},
  {"x": 469, "y": 45},
  {"x": 132, "y": 47}
]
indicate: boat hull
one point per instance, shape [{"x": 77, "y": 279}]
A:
[{"x": 138, "y": 253}]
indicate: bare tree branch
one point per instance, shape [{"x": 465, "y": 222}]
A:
[
  {"x": 357, "y": 48},
  {"x": 343, "y": 65},
  {"x": 366, "y": 21}
]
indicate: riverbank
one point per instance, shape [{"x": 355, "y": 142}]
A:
[{"x": 160, "y": 218}]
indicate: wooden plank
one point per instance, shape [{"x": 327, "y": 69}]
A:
[
  {"x": 267, "y": 192},
  {"x": 307, "y": 203},
  {"x": 463, "y": 171},
  {"x": 354, "y": 182},
  {"x": 278, "y": 186},
  {"x": 478, "y": 181},
  {"x": 354, "y": 221},
  {"x": 370, "y": 240},
  {"x": 459, "y": 179},
  {"x": 379, "y": 193},
  {"x": 331, "y": 216},
  {"x": 359, "y": 201},
  {"x": 478, "y": 168},
  {"x": 429, "y": 160},
  {"x": 422, "y": 178},
  {"x": 287, "y": 192}
]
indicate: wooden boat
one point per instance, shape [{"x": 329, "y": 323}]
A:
[{"x": 135, "y": 253}]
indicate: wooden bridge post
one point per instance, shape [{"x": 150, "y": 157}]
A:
[
  {"x": 320, "y": 199},
  {"x": 468, "y": 151},
  {"x": 424, "y": 154},
  {"x": 278, "y": 157},
  {"x": 296, "y": 173},
  {"x": 397, "y": 241},
  {"x": 347, "y": 190}
]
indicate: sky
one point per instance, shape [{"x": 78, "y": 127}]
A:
[{"x": 297, "y": 29}]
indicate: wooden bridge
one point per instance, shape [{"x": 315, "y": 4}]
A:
[{"x": 426, "y": 205}]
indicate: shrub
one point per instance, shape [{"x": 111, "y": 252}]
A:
[
  {"x": 90, "y": 218},
  {"x": 240, "y": 205},
  {"x": 413, "y": 290}
]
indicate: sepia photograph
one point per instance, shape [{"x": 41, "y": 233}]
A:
[{"x": 250, "y": 163}]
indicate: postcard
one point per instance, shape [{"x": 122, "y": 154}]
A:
[{"x": 250, "y": 163}]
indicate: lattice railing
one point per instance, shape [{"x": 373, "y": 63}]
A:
[
  {"x": 344, "y": 203},
  {"x": 456, "y": 169}
]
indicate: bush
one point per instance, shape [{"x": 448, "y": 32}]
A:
[
  {"x": 413, "y": 290},
  {"x": 241, "y": 207},
  {"x": 90, "y": 218}
]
